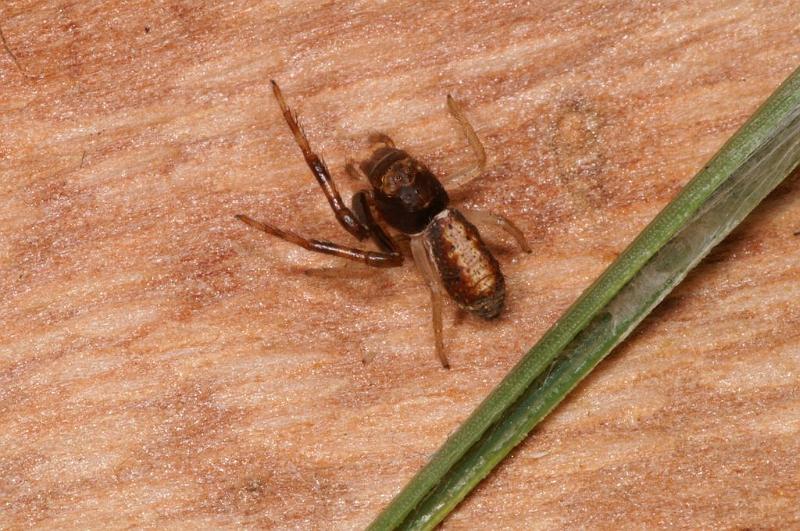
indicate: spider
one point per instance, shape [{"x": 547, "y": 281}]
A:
[{"x": 445, "y": 244}]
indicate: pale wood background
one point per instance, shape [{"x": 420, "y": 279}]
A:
[{"x": 162, "y": 365}]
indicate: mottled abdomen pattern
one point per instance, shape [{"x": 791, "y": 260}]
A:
[{"x": 469, "y": 272}]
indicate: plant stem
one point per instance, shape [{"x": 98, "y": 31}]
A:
[{"x": 733, "y": 181}]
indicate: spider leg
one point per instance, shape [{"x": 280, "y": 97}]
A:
[
  {"x": 380, "y": 138},
  {"x": 355, "y": 172},
  {"x": 343, "y": 214},
  {"x": 464, "y": 176},
  {"x": 481, "y": 217},
  {"x": 423, "y": 261},
  {"x": 362, "y": 201},
  {"x": 371, "y": 258}
]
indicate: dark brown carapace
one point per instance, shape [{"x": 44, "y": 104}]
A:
[{"x": 445, "y": 244}]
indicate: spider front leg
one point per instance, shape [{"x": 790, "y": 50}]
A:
[
  {"x": 362, "y": 201},
  {"x": 391, "y": 258},
  {"x": 343, "y": 214}
]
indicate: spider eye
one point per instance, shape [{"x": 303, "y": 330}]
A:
[{"x": 394, "y": 180}]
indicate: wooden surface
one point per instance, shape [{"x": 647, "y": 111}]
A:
[{"x": 163, "y": 365}]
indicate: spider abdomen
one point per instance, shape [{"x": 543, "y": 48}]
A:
[{"x": 468, "y": 271}]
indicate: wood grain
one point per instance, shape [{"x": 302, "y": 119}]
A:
[{"x": 163, "y": 366}]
